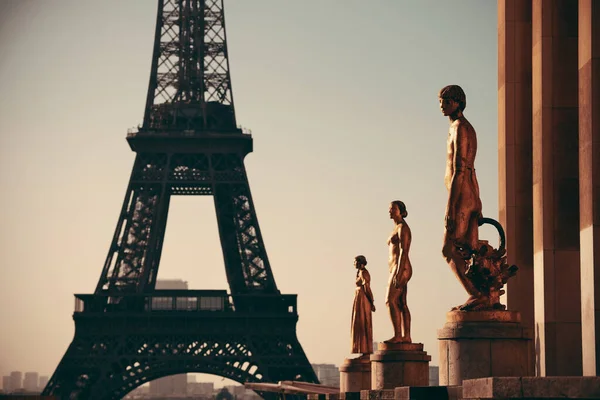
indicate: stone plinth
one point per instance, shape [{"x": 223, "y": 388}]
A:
[
  {"x": 384, "y": 394},
  {"x": 355, "y": 374},
  {"x": 335, "y": 396},
  {"x": 399, "y": 364},
  {"x": 571, "y": 387},
  {"x": 428, "y": 393},
  {"x": 479, "y": 344}
]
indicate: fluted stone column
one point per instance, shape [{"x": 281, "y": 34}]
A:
[
  {"x": 556, "y": 227},
  {"x": 589, "y": 181},
  {"x": 514, "y": 150}
]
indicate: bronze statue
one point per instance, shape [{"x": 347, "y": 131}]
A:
[
  {"x": 480, "y": 269},
  {"x": 400, "y": 274},
  {"x": 364, "y": 305}
]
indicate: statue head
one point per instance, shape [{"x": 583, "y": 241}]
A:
[
  {"x": 401, "y": 209},
  {"x": 360, "y": 261},
  {"x": 454, "y": 92}
]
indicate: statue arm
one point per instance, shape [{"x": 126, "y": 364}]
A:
[{"x": 367, "y": 289}]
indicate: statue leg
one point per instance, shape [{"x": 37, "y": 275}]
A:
[
  {"x": 462, "y": 237},
  {"x": 405, "y": 317},
  {"x": 393, "y": 304}
]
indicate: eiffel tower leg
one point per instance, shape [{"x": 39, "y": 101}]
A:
[
  {"x": 133, "y": 257},
  {"x": 246, "y": 263}
]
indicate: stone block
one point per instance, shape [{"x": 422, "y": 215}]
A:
[
  {"x": 490, "y": 388},
  {"x": 471, "y": 347},
  {"x": 573, "y": 387},
  {"x": 355, "y": 375},
  {"x": 576, "y": 387},
  {"x": 400, "y": 364},
  {"x": 383, "y": 394},
  {"x": 350, "y": 396},
  {"x": 427, "y": 393}
]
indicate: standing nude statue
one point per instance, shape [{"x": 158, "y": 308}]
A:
[
  {"x": 364, "y": 305},
  {"x": 463, "y": 211},
  {"x": 400, "y": 274}
]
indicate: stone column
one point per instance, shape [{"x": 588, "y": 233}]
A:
[
  {"x": 355, "y": 374},
  {"x": 399, "y": 364},
  {"x": 514, "y": 150},
  {"x": 556, "y": 187},
  {"x": 478, "y": 344},
  {"x": 589, "y": 181}
]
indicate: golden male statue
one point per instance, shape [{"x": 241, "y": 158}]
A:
[
  {"x": 463, "y": 210},
  {"x": 480, "y": 268}
]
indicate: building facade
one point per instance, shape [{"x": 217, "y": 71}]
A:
[
  {"x": 16, "y": 380},
  {"x": 328, "y": 374},
  {"x": 549, "y": 175},
  {"x": 434, "y": 375},
  {"x": 30, "y": 382}
]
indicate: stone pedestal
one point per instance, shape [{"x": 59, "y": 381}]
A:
[
  {"x": 399, "y": 364},
  {"x": 479, "y": 344},
  {"x": 355, "y": 374}
]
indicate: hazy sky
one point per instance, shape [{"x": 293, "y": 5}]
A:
[{"x": 341, "y": 97}]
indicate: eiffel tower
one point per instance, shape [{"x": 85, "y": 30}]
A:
[{"x": 127, "y": 332}]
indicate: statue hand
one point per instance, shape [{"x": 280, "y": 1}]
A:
[
  {"x": 395, "y": 281},
  {"x": 373, "y": 307}
]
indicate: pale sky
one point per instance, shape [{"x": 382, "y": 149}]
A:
[{"x": 341, "y": 98}]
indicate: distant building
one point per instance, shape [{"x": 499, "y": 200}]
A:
[
  {"x": 16, "y": 380},
  {"x": 169, "y": 385},
  {"x": 328, "y": 374},
  {"x": 30, "y": 383},
  {"x": 202, "y": 389},
  {"x": 171, "y": 284},
  {"x": 434, "y": 375},
  {"x": 239, "y": 392},
  {"x": 43, "y": 381},
  {"x": 6, "y": 384}
]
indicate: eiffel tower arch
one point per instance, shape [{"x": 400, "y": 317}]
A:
[{"x": 127, "y": 332}]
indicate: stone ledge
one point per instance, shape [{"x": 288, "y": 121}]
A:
[
  {"x": 483, "y": 316},
  {"x": 333, "y": 396},
  {"x": 428, "y": 393},
  {"x": 356, "y": 365},
  {"x": 395, "y": 356},
  {"x": 383, "y": 394},
  {"x": 570, "y": 387},
  {"x": 383, "y": 346},
  {"x": 484, "y": 330}
]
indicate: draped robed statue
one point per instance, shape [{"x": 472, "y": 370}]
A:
[{"x": 364, "y": 305}]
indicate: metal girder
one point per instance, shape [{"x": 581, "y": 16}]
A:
[
  {"x": 134, "y": 255},
  {"x": 113, "y": 353},
  {"x": 190, "y": 84}
]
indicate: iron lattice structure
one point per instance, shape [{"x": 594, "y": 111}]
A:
[{"x": 127, "y": 332}]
